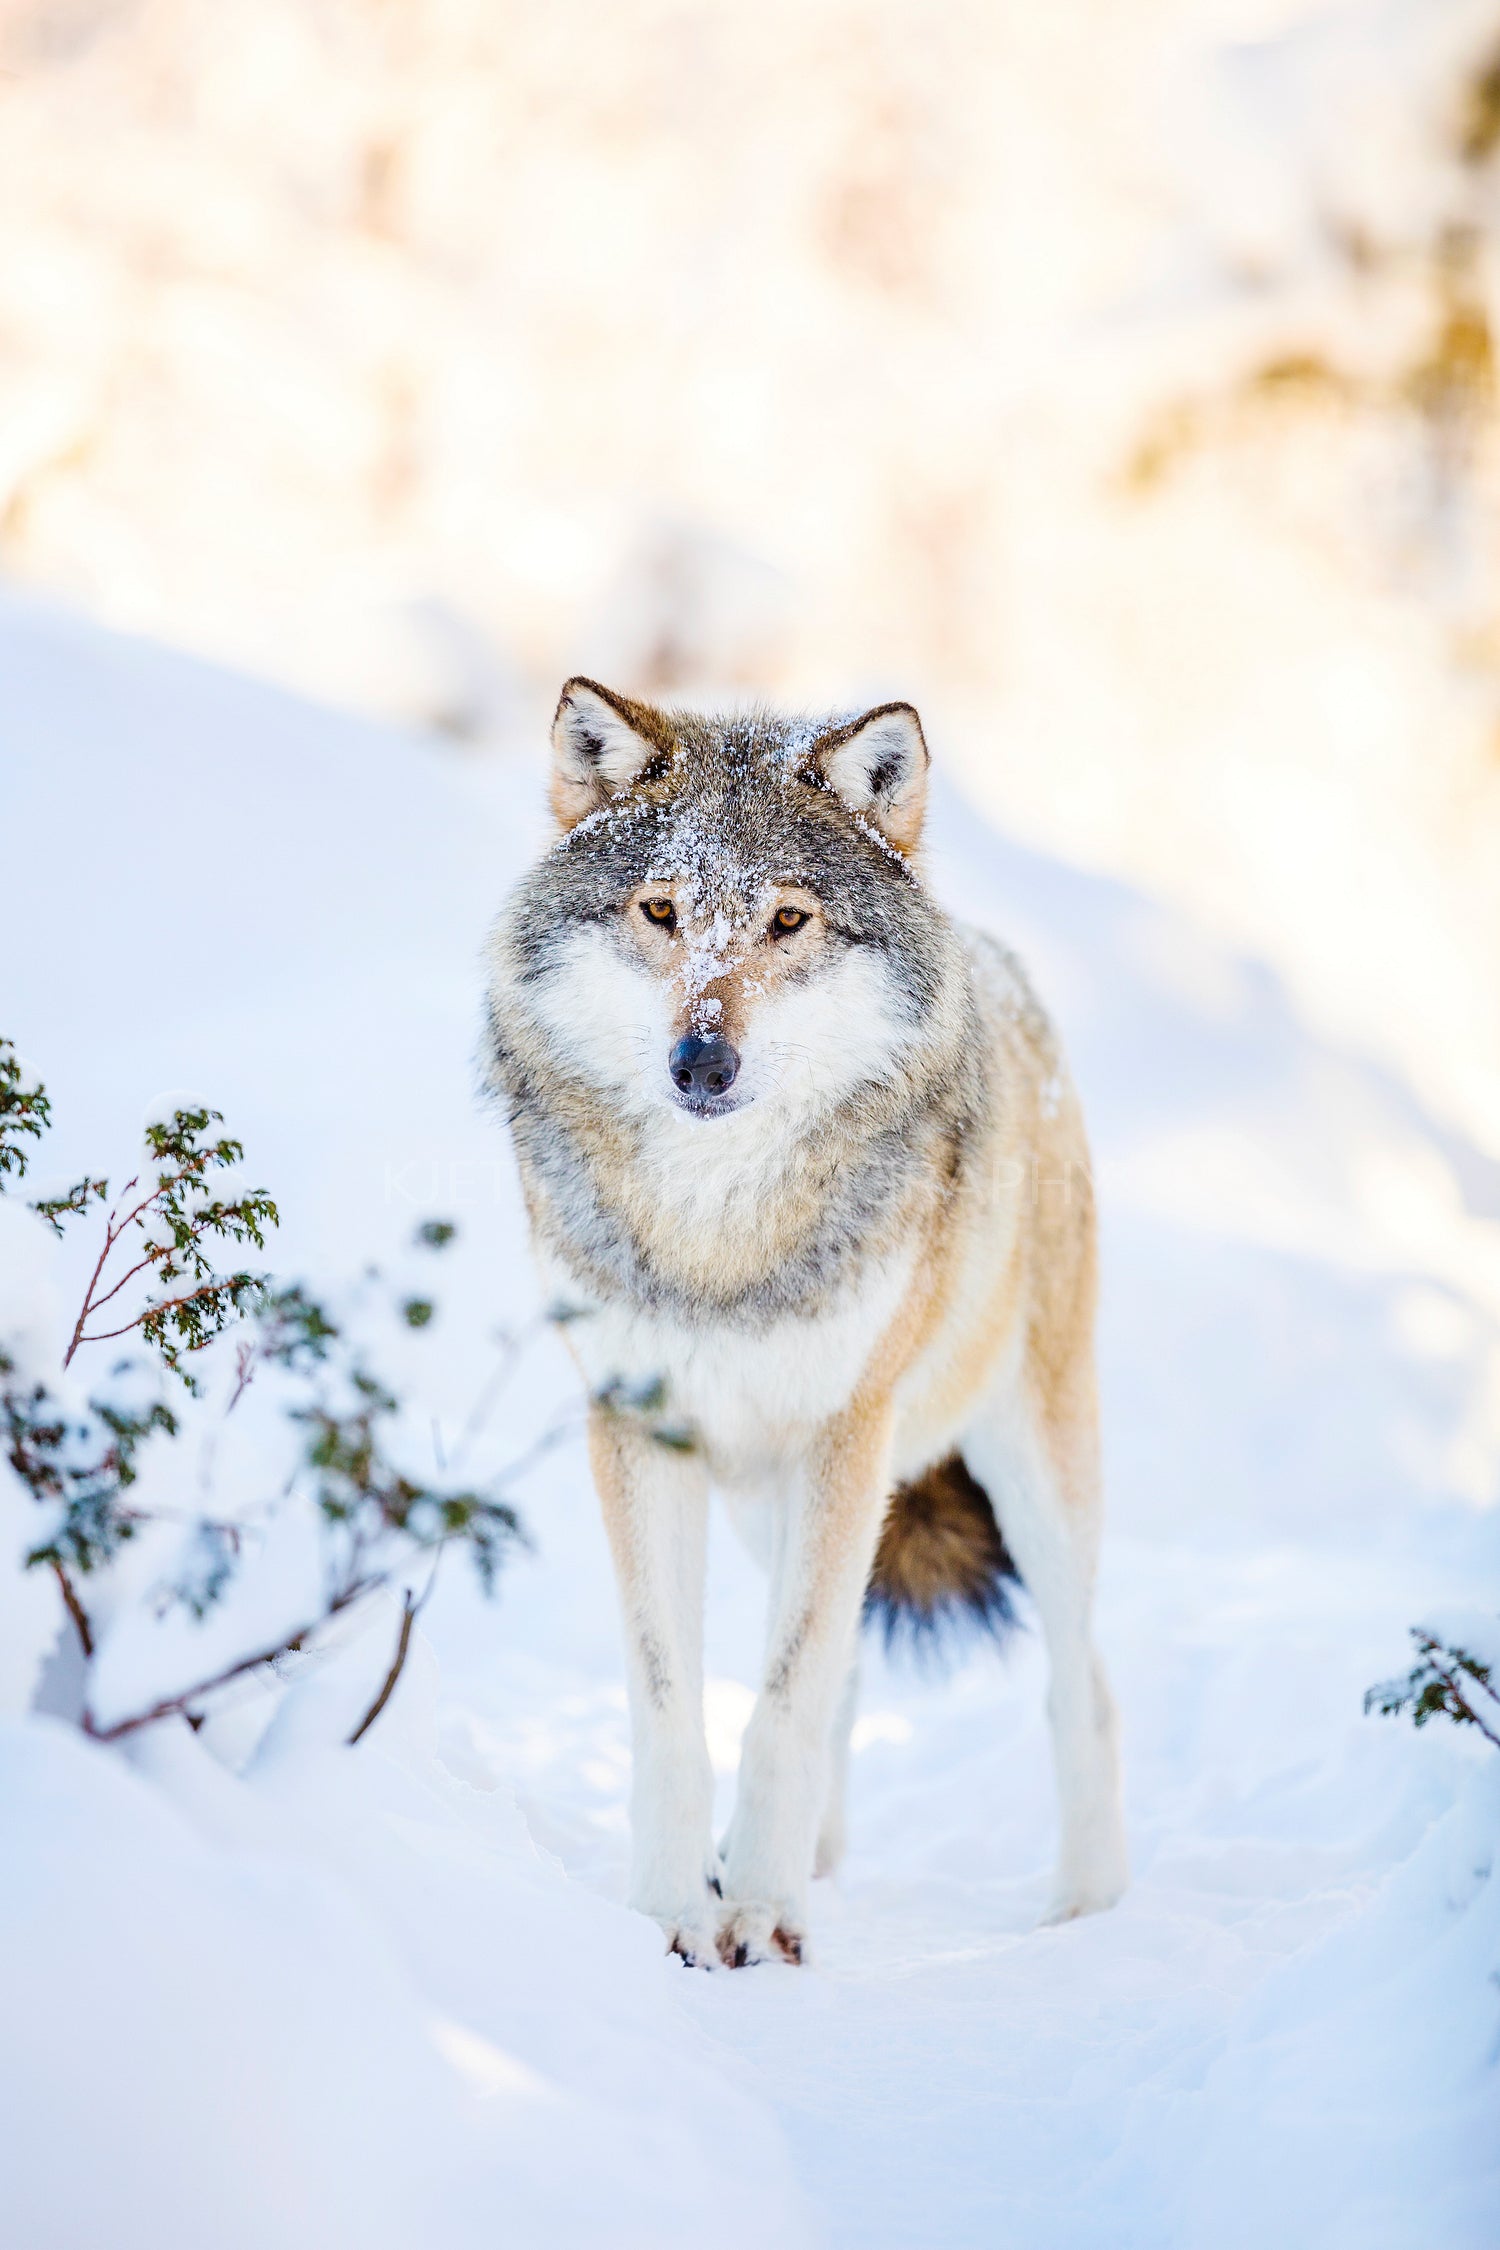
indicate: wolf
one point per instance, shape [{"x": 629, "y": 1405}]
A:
[{"x": 805, "y": 1157}]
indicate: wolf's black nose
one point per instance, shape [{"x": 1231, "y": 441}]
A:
[{"x": 703, "y": 1067}]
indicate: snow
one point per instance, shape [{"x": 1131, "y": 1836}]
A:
[
  {"x": 810, "y": 348},
  {"x": 1472, "y": 1632},
  {"x": 258, "y": 1986}
]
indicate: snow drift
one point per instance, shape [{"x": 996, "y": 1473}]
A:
[{"x": 258, "y": 1985}]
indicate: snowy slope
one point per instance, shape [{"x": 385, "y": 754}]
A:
[{"x": 368, "y": 2000}]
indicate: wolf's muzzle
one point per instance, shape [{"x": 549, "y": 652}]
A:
[{"x": 703, "y": 1069}]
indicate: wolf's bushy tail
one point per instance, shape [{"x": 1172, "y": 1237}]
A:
[{"x": 941, "y": 1559}]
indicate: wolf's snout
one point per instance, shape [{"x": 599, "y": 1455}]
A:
[{"x": 703, "y": 1068}]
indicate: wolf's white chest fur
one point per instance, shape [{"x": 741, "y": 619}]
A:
[{"x": 754, "y": 1399}]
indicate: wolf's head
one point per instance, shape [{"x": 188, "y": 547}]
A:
[{"x": 729, "y": 918}]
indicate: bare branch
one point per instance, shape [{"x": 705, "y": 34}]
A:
[
  {"x": 176, "y": 1706},
  {"x": 158, "y": 1305},
  {"x": 245, "y": 1356},
  {"x": 1452, "y": 1681},
  {"x": 410, "y": 1612},
  {"x": 88, "y": 1294},
  {"x": 398, "y": 1662},
  {"x": 75, "y": 1609},
  {"x": 512, "y": 1346},
  {"x": 153, "y": 1257},
  {"x": 563, "y": 1430}
]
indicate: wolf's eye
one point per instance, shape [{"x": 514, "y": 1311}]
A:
[
  {"x": 786, "y": 919},
  {"x": 661, "y": 911}
]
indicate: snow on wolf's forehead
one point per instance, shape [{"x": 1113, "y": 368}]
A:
[{"x": 734, "y": 820}]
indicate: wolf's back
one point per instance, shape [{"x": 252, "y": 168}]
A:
[{"x": 941, "y": 1559}]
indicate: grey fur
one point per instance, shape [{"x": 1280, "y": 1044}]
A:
[
  {"x": 730, "y": 804},
  {"x": 850, "y": 1271}
]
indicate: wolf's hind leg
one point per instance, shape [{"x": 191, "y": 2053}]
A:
[
  {"x": 1046, "y": 1497},
  {"x": 829, "y": 1851},
  {"x": 655, "y": 1505}
]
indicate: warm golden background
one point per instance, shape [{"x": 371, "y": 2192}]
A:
[{"x": 1114, "y": 376}]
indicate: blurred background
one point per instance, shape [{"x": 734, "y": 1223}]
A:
[
  {"x": 1114, "y": 377},
  {"x": 1117, "y": 379}
]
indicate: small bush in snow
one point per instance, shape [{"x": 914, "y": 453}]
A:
[
  {"x": 156, "y": 1278},
  {"x": 1453, "y": 1678},
  {"x": 166, "y": 1229}
]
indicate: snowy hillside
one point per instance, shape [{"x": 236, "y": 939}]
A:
[{"x": 260, "y": 1987}]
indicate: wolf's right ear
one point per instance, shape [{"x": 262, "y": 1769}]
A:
[{"x": 601, "y": 745}]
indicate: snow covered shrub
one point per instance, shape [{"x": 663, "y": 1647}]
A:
[
  {"x": 24, "y": 1110},
  {"x": 1455, "y": 1677},
  {"x": 248, "y": 1417}
]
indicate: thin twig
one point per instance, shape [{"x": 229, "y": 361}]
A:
[
  {"x": 568, "y": 1426},
  {"x": 511, "y": 1348},
  {"x": 398, "y": 1661},
  {"x": 1451, "y": 1681},
  {"x": 410, "y": 1612},
  {"x": 153, "y": 1256},
  {"x": 75, "y": 1609},
  {"x": 88, "y": 1294},
  {"x": 172, "y": 1706},
  {"x": 246, "y": 1356},
  {"x": 162, "y": 1304}
]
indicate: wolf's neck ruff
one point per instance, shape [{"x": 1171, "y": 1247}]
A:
[{"x": 736, "y": 1220}]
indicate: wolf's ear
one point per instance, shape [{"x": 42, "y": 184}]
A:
[
  {"x": 878, "y": 765},
  {"x": 601, "y": 745}
]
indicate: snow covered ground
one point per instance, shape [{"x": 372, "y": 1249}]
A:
[{"x": 258, "y": 1987}]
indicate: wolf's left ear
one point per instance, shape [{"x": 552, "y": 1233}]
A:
[
  {"x": 601, "y": 745},
  {"x": 878, "y": 765}
]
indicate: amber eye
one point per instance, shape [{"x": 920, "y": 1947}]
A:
[
  {"x": 786, "y": 919},
  {"x": 661, "y": 911}
]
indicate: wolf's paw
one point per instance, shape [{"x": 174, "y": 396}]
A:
[
  {"x": 1091, "y": 1894},
  {"x": 693, "y": 1943},
  {"x": 690, "y": 1926},
  {"x": 749, "y": 1934}
]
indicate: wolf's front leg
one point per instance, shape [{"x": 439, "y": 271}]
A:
[
  {"x": 656, "y": 1514},
  {"x": 820, "y": 1571}
]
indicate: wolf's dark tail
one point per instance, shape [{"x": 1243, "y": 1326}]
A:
[{"x": 941, "y": 1559}]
